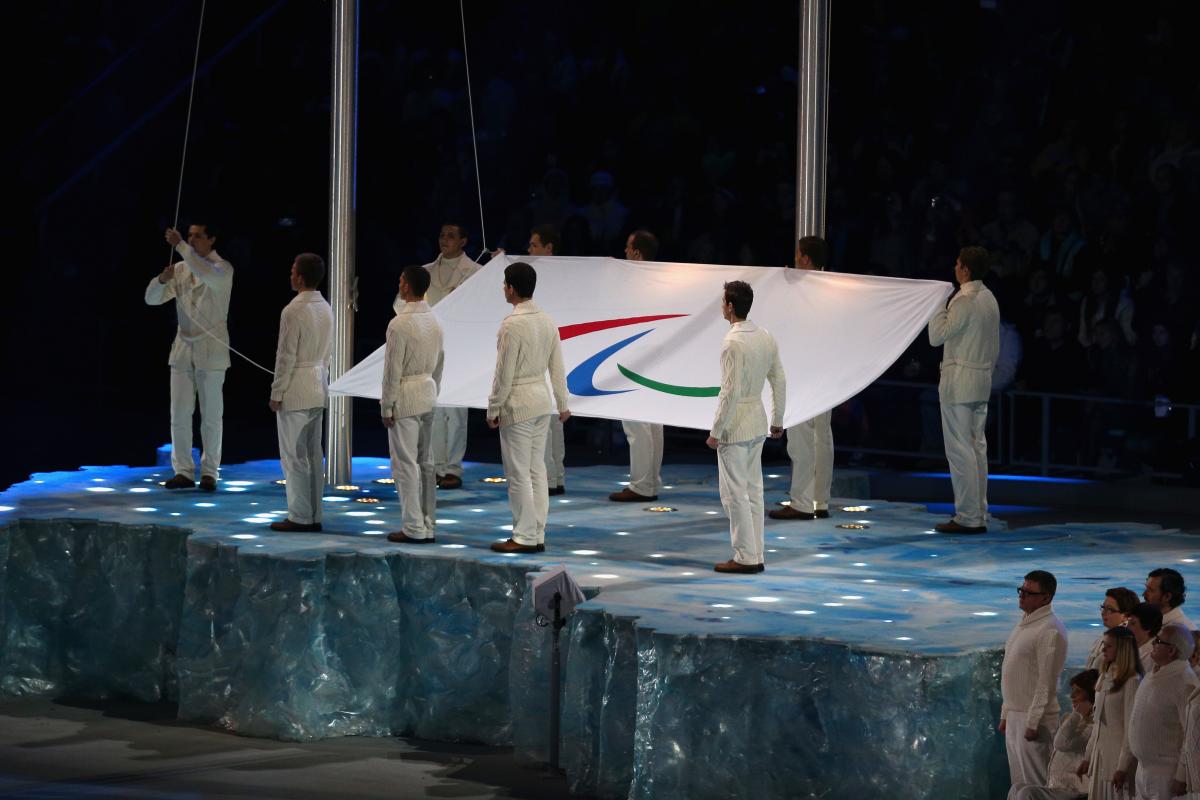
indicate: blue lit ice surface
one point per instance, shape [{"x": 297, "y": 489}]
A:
[{"x": 893, "y": 586}]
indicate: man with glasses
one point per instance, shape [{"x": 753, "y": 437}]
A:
[
  {"x": 1159, "y": 711},
  {"x": 1033, "y": 660},
  {"x": 1165, "y": 589}
]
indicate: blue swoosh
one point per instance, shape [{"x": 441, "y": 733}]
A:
[{"x": 580, "y": 381}]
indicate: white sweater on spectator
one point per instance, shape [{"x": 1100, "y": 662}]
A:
[
  {"x": 1033, "y": 661},
  {"x": 412, "y": 362},
  {"x": 1156, "y": 728},
  {"x": 1109, "y": 747},
  {"x": 749, "y": 358},
  {"x": 527, "y": 346},
  {"x": 1176, "y": 617},
  {"x": 1070, "y": 746},
  {"x": 1191, "y": 743}
]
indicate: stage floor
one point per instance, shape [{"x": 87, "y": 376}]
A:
[
  {"x": 864, "y": 660},
  {"x": 888, "y": 584}
]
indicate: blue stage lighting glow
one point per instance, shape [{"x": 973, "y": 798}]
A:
[
  {"x": 145, "y": 508},
  {"x": 585, "y": 552},
  {"x": 1015, "y": 478},
  {"x": 804, "y": 611},
  {"x": 454, "y": 546},
  {"x": 99, "y": 488},
  {"x": 139, "y": 490},
  {"x": 244, "y": 536}
]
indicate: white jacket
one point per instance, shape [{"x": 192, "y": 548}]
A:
[
  {"x": 749, "y": 358},
  {"x": 302, "y": 356},
  {"x": 526, "y": 347},
  {"x": 970, "y": 329},
  {"x": 412, "y": 362},
  {"x": 201, "y": 288},
  {"x": 1156, "y": 727},
  {"x": 1176, "y": 617},
  {"x": 1070, "y": 747},
  {"x": 446, "y": 275},
  {"x": 1033, "y": 661}
]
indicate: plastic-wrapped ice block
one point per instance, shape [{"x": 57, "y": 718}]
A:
[{"x": 90, "y": 608}]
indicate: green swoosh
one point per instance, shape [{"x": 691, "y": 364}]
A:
[{"x": 685, "y": 391}]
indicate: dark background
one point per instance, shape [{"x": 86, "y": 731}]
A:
[{"x": 1060, "y": 135}]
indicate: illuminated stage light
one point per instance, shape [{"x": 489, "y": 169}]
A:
[
  {"x": 763, "y": 599},
  {"x": 244, "y": 536},
  {"x": 145, "y": 508},
  {"x": 347, "y": 487},
  {"x": 660, "y": 509},
  {"x": 204, "y": 505},
  {"x": 495, "y": 479},
  {"x": 367, "y": 500},
  {"x": 99, "y": 488},
  {"x": 385, "y": 481},
  {"x": 853, "y": 509},
  {"x": 282, "y": 481},
  {"x": 853, "y": 526},
  {"x": 585, "y": 552},
  {"x": 139, "y": 490}
]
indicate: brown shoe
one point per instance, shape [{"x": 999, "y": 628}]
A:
[
  {"x": 822, "y": 513},
  {"x": 787, "y": 512},
  {"x": 287, "y": 526},
  {"x": 954, "y": 527},
  {"x": 626, "y": 495},
  {"x": 180, "y": 482},
  {"x": 555, "y": 490},
  {"x": 399, "y": 537},
  {"x": 449, "y": 482},
  {"x": 208, "y": 483},
  {"x": 738, "y": 568},
  {"x": 510, "y": 546}
]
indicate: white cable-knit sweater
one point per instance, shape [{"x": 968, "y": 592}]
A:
[
  {"x": 1156, "y": 728},
  {"x": 1033, "y": 661},
  {"x": 527, "y": 346},
  {"x": 412, "y": 362}
]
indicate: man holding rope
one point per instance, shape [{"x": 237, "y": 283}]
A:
[{"x": 201, "y": 285}]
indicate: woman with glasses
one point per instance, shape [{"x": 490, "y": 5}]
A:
[
  {"x": 1070, "y": 744},
  {"x": 1114, "y": 611},
  {"x": 1111, "y": 761}
]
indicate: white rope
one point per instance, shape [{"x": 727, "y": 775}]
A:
[
  {"x": 187, "y": 128},
  {"x": 462, "y": 15}
]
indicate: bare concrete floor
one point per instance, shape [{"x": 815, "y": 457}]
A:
[{"x": 67, "y": 749}]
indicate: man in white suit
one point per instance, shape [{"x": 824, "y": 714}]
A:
[
  {"x": 299, "y": 393},
  {"x": 446, "y": 273},
  {"x": 645, "y": 438},
  {"x": 412, "y": 372},
  {"x": 527, "y": 347},
  {"x": 543, "y": 240},
  {"x": 200, "y": 285},
  {"x": 969, "y": 327},
  {"x": 810, "y": 443},
  {"x": 749, "y": 358}
]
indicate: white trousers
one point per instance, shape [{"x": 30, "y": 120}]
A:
[
  {"x": 1152, "y": 780},
  {"x": 449, "y": 440},
  {"x": 739, "y": 466},
  {"x": 186, "y": 384},
  {"x": 409, "y": 443},
  {"x": 1028, "y": 762},
  {"x": 810, "y": 447},
  {"x": 523, "y": 449},
  {"x": 556, "y": 453},
  {"x": 1041, "y": 793},
  {"x": 645, "y": 456},
  {"x": 303, "y": 462},
  {"x": 966, "y": 450}
]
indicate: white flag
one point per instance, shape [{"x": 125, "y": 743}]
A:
[{"x": 641, "y": 340}]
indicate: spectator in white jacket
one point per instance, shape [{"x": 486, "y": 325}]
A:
[
  {"x": 447, "y": 272},
  {"x": 1165, "y": 588},
  {"x": 749, "y": 358},
  {"x": 1159, "y": 716},
  {"x": 1145, "y": 621},
  {"x": 1110, "y": 763},
  {"x": 299, "y": 393},
  {"x": 969, "y": 327},
  {"x": 412, "y": 373},
  {"x": 1191, "y": 730},
  {"x": 1070, "y": 746},
  {"x": 1033, "y": 659},
  {"x": 645, "y": 438},
  {"x": 527, "y": 348},
  {"x": 810, "y": 443},
  {"x": 200, "y": 285}
]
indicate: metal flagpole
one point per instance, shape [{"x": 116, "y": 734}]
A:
[
  {"x": 813, "y": 119},
  {"x": 342, "y": 167}
]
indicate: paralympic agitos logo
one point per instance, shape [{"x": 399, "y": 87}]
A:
[{"x": 581, "y": 379}]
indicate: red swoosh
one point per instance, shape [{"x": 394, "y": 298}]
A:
[{"x": 579, "y": 329}]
